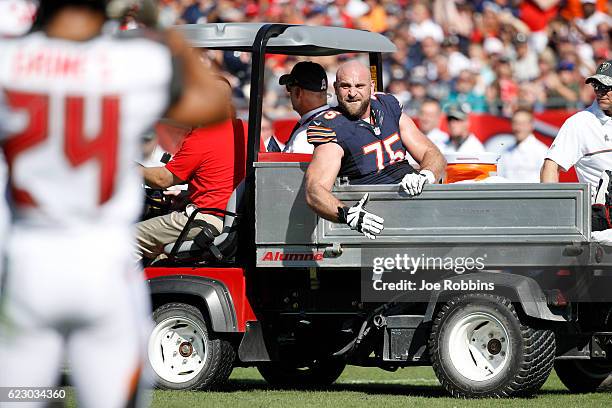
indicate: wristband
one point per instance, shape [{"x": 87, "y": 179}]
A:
[
  {"x": 428, "y": 175},
  {"x": 342, "y": 214}
]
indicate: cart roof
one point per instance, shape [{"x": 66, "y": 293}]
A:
[{"x": 295, "y": 40}]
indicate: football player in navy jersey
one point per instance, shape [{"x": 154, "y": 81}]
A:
[{"x": 366, "y": 139}]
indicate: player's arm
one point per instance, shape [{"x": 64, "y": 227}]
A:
[
  {"x": 320, "y": 177},
  {"x": 203, "y": 97},
  {"x": 159, "y": 177},
  {"x": 429, "y": 157},
  {"x": 421, "y": 148},
  {"x": 550, "y": 172}
]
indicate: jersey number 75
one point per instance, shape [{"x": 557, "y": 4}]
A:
[{"x": 380, "y": 147}]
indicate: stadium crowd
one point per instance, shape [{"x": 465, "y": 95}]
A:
[{"x": 492, "y": 55}]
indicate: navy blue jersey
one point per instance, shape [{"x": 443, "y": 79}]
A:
[{"x": 373, "y": 153}]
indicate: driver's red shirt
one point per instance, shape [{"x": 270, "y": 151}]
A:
[{"x": 212, "y": 161}]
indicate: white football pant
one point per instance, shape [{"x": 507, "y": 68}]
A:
[{"x": 74, "y": 296}]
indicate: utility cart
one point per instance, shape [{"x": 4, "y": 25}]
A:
[{"x": 296, "y": 295}]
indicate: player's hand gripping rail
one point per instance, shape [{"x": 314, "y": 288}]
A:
[
  {"x": 359, "y": 219},
  {"x": 413, "y": 183}
]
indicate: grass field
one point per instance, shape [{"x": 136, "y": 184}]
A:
[{"x": 365, "y": 387}]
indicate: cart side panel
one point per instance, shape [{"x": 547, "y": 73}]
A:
[{"x": 461, "y": 216}]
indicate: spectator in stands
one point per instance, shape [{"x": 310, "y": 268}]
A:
[
  {"x": 457, "y": 61},
  {"x": 270, "y": 142},
  {"x": 430, "y": 116},
  {"x": 480, "y": 65},
  {"x": 398, "y": 87},
  {"x": 521, "y": 162},
  {"x": 463, "y": 93},
  {"x": 507, "y": 87},
  {"x": 376, "y": 19},
  {"x": 414, "y": 53},
  {"x": 430, "y": 52},
  {"x": 537, "y": 14},
  {"x": 169, "y": 13},
  {"x": 441, "y": 87},
  {"x": 307, "y": 85},
  {"x": 601, "y": 49},
  {"x": 455, "y": 16},
  {"x": 591, "y": 19},
  {"x": 531, "y": 96},
  {"x": 488, "y": 23},
  {"x": 197, "y": 12},
  {"x": 577, "y": 53},
  {"x": 562, "y": 89},
  {"x": 460, "y": 140},
  {"x": 525, "y": 67},
  {"x": 573, "y": 8},
  {"x": 493, "y": 46},
  {"x": 417, "y": 86},
  {"x": 422, "y": 25},
  {"x": 398, "y": 62}
]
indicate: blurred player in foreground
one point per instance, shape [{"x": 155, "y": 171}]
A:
[
  {"x": 16, "y": 18},
  {"x": 83, "y": 100}
]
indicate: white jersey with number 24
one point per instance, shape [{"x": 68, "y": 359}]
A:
[{"x": 77, "y": 113}]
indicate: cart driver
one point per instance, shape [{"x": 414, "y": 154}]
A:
[{"x": 365, "y": 139}]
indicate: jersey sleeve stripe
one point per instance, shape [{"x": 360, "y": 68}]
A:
[
  {"x": 322, "y": 134},
  {"x": 321, "y": 137},
  {"x": 321, "y": 140}
]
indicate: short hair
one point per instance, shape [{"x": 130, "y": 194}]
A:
[
  {"x": 431, "y": 99},
  {"x": 523, "y": 109}
]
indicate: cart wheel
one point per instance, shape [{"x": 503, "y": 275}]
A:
[
  {"x": 182, "y": 353},
  {"x": 480, "y": 348},
  {"x": 581, "y": 376},
  {"x": 319, "y": 373}
]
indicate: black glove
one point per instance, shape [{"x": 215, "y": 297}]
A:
[{"x": 600, "y": 215}]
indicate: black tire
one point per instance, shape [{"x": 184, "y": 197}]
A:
[
  {"x": 524, "y": 364},
  {"x": 211, "y": 371},
  {"x": 317, "y": 374},
  {"x": 581, "y": 376}
]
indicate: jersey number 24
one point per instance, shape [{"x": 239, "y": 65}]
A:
[{"x": 77, "y": 148}]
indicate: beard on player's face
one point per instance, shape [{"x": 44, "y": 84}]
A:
[{"x": 354, "y": 108}]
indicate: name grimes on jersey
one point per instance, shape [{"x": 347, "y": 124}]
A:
[{"x": 48, "y": 63}]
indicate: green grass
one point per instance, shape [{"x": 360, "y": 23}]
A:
[{"x": 364, "y": 387}]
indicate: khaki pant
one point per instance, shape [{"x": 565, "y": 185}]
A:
[{"x": 155, "y": 233}]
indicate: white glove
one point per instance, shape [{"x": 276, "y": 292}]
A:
[
  {"x": 603, "y": 237},
  {"x": 413, "y": 183},
  {"x": 361, "y": 220}
]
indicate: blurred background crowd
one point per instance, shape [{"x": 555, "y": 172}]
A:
[
  {"x": 492, "y": 56},
  {"x": 507, "y": 58}
]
